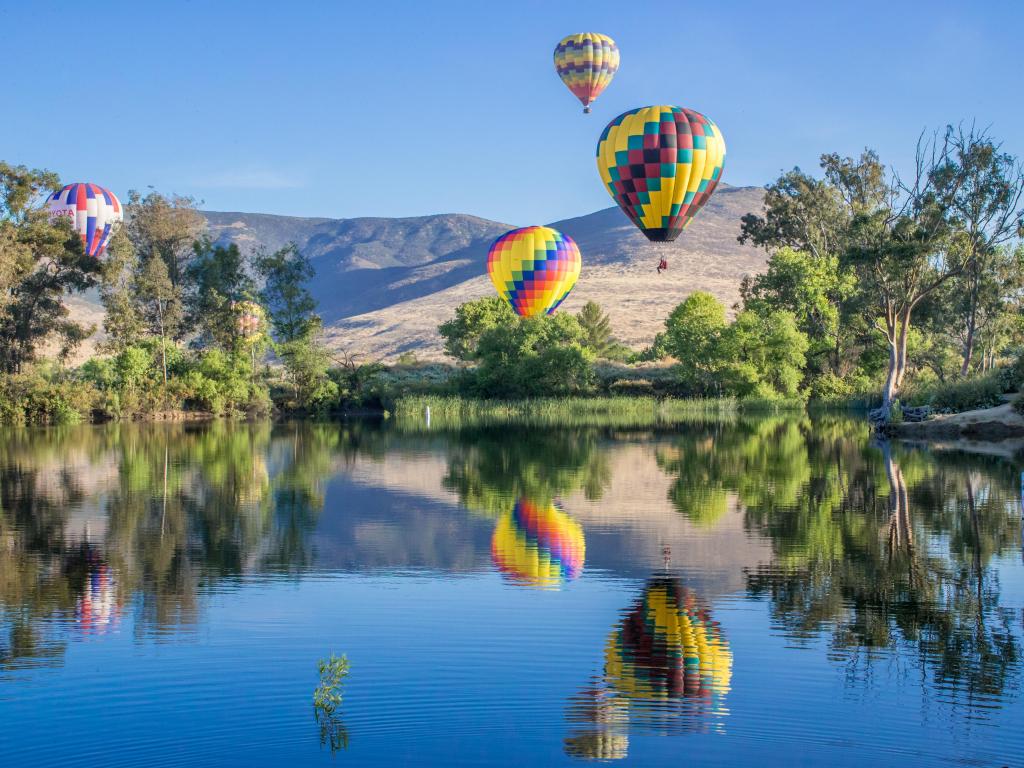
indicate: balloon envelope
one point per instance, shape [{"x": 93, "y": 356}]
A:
[
  {"x": 248, "y": 319},
  {"x": 534, "y": 268},
  {"x": 661, "y": 164},
  {"x": 586, "y": 62},
  {"x": 92, "y": 210},
  {"x": 668, "y": 647},
  {"x": 538, "y": 544}
]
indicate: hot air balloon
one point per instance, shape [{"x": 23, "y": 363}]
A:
[
  {"x": 248, "y": 320},
  {"x": 92, "y": 210},
  {"x": 534, "y": 268},
  {"x": 538, "y": 545},
  {"x": 661, "y": 164},
  {"x": 668, "y": 649},
  {"x": 586, "y": 62},
  {"x": 97, "y": 609}
]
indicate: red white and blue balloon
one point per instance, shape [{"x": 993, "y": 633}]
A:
[{"x": 92, "y": 210}]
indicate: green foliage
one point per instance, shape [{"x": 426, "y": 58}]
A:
[
  {"x": 307, "y": 366},
  {"x": 40, "y": 263},
  {"x": 462, "y": 333},
  {"x": 458, "y": 412},
  {"x": 534, "y": 357},
  {"x": 285, "y": 274},
  {"x": 41, "y": 396},
  {"x": 597, "y": 332},
  {"x": 327, "y": 695},
  {"x": 758, "y": 355},
  {"x": 217, "y": 280},
  {"x": 985, "y": 391}
]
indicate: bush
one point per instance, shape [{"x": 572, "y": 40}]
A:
[
  {"x": 40, "y": 397},
  {"x": 985, "y": 391},
  {"x": 632, "y": 388}
]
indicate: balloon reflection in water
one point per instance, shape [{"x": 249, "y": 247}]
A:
[
  {"x": 538, "y": 544},
  {"x": 97, "y": 609},
  {"x": 668, "y": 658},
  {"x": 599, "y": 726}
]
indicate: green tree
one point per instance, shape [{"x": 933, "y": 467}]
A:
[
  {"x": 534, "y": 357},
  {"x": 981, "y": 189},
  {"x": 307, "y": 365},
  {"x": 217, "y": 280},
  {"x": 166, "y": 227},
  {"x": 597, "y": 329},
  {"x": 39, "y": 264},
  {"x": 462, "y": 333},
  {"x": 815, "y": 289},
  {"x": 292, "y": 308},
  {"x": 160, "y": 304},
  {"x": 763, "y": 355},
  {"x": 693, "y": 334},
  {"x": 122, "y": 321}
]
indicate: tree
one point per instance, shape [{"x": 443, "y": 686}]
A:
[
  {"x": 161, "y": 305},
  {"x": 292, "y": 308},
  {"x": 307, "y": 365},
  {"x": 217, "y": 280},
  {"x": 894, "y": 236},
  {"x": 763, "y": 355},
  {"x": 902, "y": 247},
  {"x": 123, "y": 321},
  {"x": 693, "y": 333},
  {"x": 534, "y": 357},
  {"x": 815, "y": 289},
  {"x": 167, "y": 227},
  {"x": 462, "y": 333},
  {"x": 981, "y": 189},
  {"x": 39, "y": 264},
  {"x": 597, "y": 329}
]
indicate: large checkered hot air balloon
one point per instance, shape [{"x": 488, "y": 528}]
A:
[
  {"x": 538, "y": 545},
  {"x": 661, "y": 164},
  {"x": 667, "y": 649},
  {"x": 93, "y": 211},
  {"x": 534, "y": 268},
  {"x": 586, "y": 62}
]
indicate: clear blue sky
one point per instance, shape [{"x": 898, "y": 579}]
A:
[{"x": 404, "y": 108}]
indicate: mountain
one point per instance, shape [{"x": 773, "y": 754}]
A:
[{"x": 384, "y": 285}]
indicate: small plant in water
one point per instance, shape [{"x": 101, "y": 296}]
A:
[{"x": 333, "y": 671}]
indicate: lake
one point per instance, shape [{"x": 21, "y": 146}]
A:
[{"x": 770, "y": 591}]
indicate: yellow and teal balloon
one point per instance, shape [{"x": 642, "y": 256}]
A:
[
  {"x": 586, "y": 62},
  {"x": 661, "y": 164},
  {"x": 668, "y": 648},
  {"x": 534, "y": 268}
]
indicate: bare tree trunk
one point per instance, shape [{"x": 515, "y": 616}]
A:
[
  {"x": 890, "y": 380},
  {"x": 968, "y": 348},
  {"x": 163, "y": 342},
  {"x": 901, "y": 349}
]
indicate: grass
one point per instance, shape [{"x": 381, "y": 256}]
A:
[{"x": 454, "y": 411}]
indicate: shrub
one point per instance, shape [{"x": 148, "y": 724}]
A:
[{"x": 983, "y": 391}]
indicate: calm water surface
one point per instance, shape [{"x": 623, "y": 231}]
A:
[{"x": 771, "y": 592}]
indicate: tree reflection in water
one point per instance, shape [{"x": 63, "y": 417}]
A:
[
  {"x": 180, "y": 507},
  {"x": 886, "y": 551}
]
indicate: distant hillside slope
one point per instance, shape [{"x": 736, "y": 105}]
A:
[
  {"x": 384, "y": 285},
  {"x": 399, "y": 310}
]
